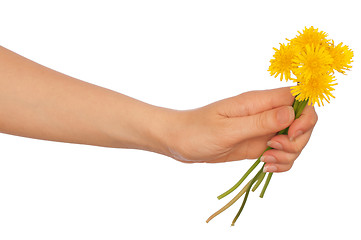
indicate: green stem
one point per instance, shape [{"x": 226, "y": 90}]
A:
[
  {"x": 244, "y": 189},
  {"x": 301, "y": 106},
  {"x": 243, "y": 177},
  {"x": 246, "y": 196},
  {"x": 295, "y": 104},
  {"x": 283, "y": 132},
  {"x": 269, "y": 176},
  {"x": 259, "y": 181}
]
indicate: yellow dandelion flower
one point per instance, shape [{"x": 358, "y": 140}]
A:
[
  {"x": 310, "y": 36},
  {"x": 312, "y": 61},
  {"x": 342, "y": 57},
  {"x": 316, "y": 90},
  {"x": 282, "y": 61}
]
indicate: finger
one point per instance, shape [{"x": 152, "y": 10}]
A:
[
  {"x": 273, "y": 167},
  {"x": 279, "y": 157},
  {"x": 255, "y": 102},
  {"x": 304, "y": 123},
  {"x": 264, "y": 123},
  {"x": 282, "y": 142}
]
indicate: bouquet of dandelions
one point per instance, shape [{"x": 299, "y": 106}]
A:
[{"x": 310, "y": 60}]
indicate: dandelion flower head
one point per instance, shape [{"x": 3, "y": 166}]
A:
[
  {"x": 282, "y": 62},
  {"x": 310, "y": 36},
  {"x": 342, "y": 57},
  {"x": 313, "y": 59},
  {"x": 315, "y": 90}
]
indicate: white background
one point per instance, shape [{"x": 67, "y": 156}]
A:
[{"x": 177, "y": 54}]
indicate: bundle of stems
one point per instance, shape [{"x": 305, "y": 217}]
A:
[{"x": 298, "y": 107}]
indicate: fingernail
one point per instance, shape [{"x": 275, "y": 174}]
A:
[
  {"x": 269, "y": 159},
  {"x": 269, "y": 169},
  {"x": 285, "y": 114},
  {"x": 275, "y": 145},
  {"x": 297, "y": 134}
]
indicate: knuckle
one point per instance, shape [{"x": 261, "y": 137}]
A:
[
  {"x": 286, "y": 158},
  {"x": 296, "y": 148},
  {"x": 289, "y": 159},
  {"x": 251, "y": 93},
  {"x": 288, "y": 167},
  {"x": 260, "y": 121},
  {"x": 313, "y": 120},
  {"x": 285, "y": 167}
]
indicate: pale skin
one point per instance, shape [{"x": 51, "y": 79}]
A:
[{"x": 41, "y": 103}]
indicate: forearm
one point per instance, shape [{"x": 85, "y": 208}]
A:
[{"x": 40, "y": 103}]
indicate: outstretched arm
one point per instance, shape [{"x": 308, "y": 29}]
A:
[{"x": 38, "y": 102}]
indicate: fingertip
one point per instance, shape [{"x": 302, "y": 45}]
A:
[
  {"x": 290, "y": 143},
  {"x": 275, "y": 144},
  {"x": 268, "y": 159},
  {"x": 270, "y": 168},
  {"x": 295, "y": 135},
  {"x": 277, "y": 168}
]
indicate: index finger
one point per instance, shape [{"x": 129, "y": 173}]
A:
[{"x": 254, "y": 102}]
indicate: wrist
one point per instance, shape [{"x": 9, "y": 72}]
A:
[
  {"x": 170, "y": 132},
  {"x": 164, "y": 131},
  {"x": 161, "y": 130},
  {"x": 138, "y": 125}
]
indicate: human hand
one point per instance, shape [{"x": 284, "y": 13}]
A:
[
  {"x": 241, "y": 127},
  {"x": 232, "y": 129}
]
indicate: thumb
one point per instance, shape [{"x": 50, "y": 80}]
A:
[{"x": 264, "y": 123}]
